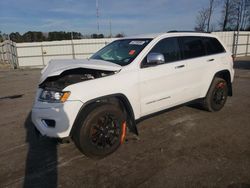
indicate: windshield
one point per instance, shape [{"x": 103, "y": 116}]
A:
[{"x": 121, "y": 52}]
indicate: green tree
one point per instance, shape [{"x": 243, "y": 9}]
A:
[
  {"x": 33, "y": 36},
  {"x": 1, "y": 37},
  {"x": 27, "y": 37},
  {"x": 77, "y": 35},
  {"x": 120, "y": 35},
  {"x": 94, "y": 36},
  {"x": 59, "y": 35},
  {"x": 16, "y": 37},
  {"x": 97, "y": 36}
]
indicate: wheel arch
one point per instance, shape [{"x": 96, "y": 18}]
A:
[
  {"x": 224, "y": 74},
  {"x": 116, "y": 99}
]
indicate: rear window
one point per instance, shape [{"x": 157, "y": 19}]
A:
[
  {"x": 212, "y": 45},
  {"x": 192, "y": 47}
]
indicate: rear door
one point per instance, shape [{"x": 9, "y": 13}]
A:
[
  {"x": 202, "y": 56},
  {"x": 196, "y": 61}
]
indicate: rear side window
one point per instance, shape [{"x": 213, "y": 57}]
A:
[
  {"x": 212, "y": 45},
  {"x": 169, "y": 47},
  {"x": 192, "y": 47}
]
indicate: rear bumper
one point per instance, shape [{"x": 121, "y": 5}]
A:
[{"x": 63, "y": 115}]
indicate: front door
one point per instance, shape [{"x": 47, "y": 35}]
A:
[{"x": 163, "y": 85}]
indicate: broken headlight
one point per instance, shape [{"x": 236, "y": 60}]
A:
[{"x": 54, "y": 96}]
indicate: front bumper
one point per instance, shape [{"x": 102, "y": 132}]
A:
[{"x": 62, "y": 114}]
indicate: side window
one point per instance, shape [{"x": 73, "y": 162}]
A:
[
  {"x": 192, "y": 47},
  {"x": 213, "y": 46},
  {"x": 169, "y": 47}
]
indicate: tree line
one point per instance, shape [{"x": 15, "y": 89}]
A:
[
  {"x": 235, "y": 15},
  {"x": 38, "y": 36}
]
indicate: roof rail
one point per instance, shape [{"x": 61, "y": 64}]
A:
[{"x": 175, "y": 31}]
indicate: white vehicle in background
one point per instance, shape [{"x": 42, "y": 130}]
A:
[{"x": 93, "y": 101}]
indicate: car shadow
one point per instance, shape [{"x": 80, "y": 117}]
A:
[
  {"x": 242, "y": 65},
  {"x": 41, "y": 161}
]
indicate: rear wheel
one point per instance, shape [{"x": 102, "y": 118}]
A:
[
  {"x": 101, "y": 131},
  {"x": 216, "y": 96}
]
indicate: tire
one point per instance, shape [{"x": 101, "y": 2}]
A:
[
  {"x": 100, "y": 131},
  {"x": 216, "y": 96}
]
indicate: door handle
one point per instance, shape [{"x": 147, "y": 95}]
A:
[
  {"x": 210, "y": 60},
  {"x": 180, "y": 66}
]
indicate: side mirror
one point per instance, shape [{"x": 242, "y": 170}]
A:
[{"x": 155, "y": 59}]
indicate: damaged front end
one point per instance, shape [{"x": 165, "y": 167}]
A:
[
  {"x": 72, "y": 76},
  {"x": 59, "y": 74}
]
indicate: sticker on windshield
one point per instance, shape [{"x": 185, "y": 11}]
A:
[
  {"x": 131, "y": 52},
  {"x": 137, "y": 42}
]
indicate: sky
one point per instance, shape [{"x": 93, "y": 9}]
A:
[{"x": 128, "y": 16}]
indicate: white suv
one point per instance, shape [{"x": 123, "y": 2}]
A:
[{"x": 93, "y": 101}]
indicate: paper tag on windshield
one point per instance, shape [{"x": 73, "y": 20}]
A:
[
  {"x": 131, "y": 52},
  {"x": 137, "y": 42}
]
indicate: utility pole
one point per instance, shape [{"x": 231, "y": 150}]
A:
[
  {"x": 97, "y": 16},
  {"x": 110, "y": 28}
]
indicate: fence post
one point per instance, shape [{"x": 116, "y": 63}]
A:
[
  {"x": 233, "y": 49},
  {"x": 16, "y": 56},
  {"x": 13, "y": 57},
  {"x": 9, "y": 54},
  {"x": 247, "y": 44},
  {"x": 1, "y": 53},
  {"x": 73, "y": 49},
  {"x": 42, "y": 54},
  {"x": 4, "y": 52},
  {"x": 3, "y": 48}
]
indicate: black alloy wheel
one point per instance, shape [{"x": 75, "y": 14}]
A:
[
  {"x": 105, "y": 131},
  {"x": 100, "y": 130},
  {"x": 216, "y": 96}
]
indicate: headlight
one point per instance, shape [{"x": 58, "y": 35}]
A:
[{"x": 54, "y": 96}]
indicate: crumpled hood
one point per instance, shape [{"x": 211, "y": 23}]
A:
[{"x": 56, "y": 67}]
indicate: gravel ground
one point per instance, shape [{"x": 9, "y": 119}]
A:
[{"x": 183, "y": 147}]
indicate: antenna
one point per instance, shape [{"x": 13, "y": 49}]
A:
[{"x": 97, "y": 15}]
